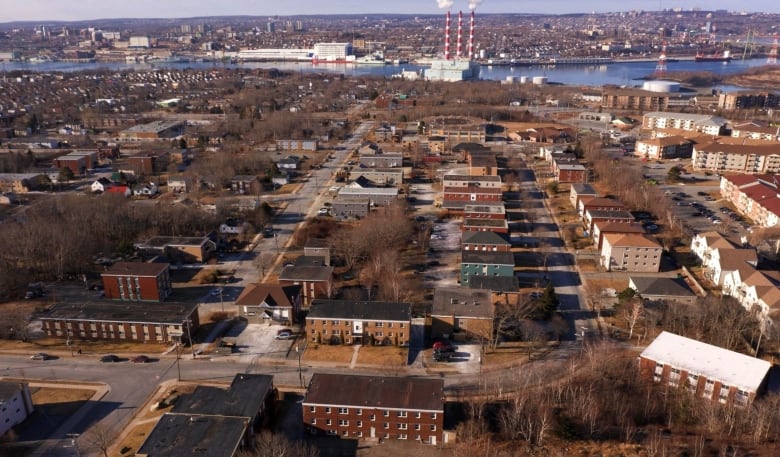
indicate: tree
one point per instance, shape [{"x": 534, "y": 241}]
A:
[
  {"x": 275, "y": 445},
  {"x": 674, "y": 174},
  {"x": 632, "y": 314},
  {"x": 548, "y": 302},
  {"x": 65, "y": 175}
]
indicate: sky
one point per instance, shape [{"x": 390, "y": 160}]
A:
[{"x": 41, "y": 10}]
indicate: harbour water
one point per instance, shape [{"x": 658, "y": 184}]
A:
[{"x": 618, "y": 73}]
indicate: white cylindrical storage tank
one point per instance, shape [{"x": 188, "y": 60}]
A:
[
  {"x": 482, "y": 54},
  {"x": 523, "y": 79},
  {"x": 511, "y": 79},
  {"x": 661, "y": 86},
  {"x": 539, "y": 80}
]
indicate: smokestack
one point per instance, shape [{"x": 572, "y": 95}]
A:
[
  {"x": 471, "y": 37},
  {"x": 447, "y": 38},
  {"x": 460, "y": 34}
]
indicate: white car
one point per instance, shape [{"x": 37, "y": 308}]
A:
[{"x": 323, "y": 211}]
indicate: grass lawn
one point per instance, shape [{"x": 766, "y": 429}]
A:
[
  {"x": 87, "y": 347},
  {"x": 383, "y": 355},
  {"x": 59, "y": 401},
  {"x": 596, "y": 286},
  {"x": 328, "y": 353}
]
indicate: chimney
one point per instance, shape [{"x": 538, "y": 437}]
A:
[
  {"x": 460, "y": 34},
  {"x": 471, "y": 37},
  {"x": 447, "y": 38}
]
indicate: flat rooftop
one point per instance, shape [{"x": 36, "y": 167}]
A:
[
  {"x": 113, "y": 311},
  {"x": 179, "y": 435}
]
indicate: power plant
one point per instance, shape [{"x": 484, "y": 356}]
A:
[{"x": 459, "y": 68}]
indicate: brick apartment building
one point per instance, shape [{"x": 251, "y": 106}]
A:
[
  {"x": 137, "y": 281},
  {"x": 359, "y": 322},
  {"x": 375, "y": 407},
  {"x": 705, "y": 370}
]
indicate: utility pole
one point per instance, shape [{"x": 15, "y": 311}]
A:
[
  {"x": 189, "y": 336},
  {"x": 300, "y": 369},
  {"x": 73, "y": 443}
]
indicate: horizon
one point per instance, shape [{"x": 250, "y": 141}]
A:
[{"x": 58, "y": 11}]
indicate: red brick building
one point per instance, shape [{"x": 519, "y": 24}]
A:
[
  {"x": 705, "y": 370},
  {"x": 375, "y": 407},
  {"x": 137, "y": 281}
]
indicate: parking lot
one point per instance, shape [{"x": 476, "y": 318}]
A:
[
  {"x": 260, "y": 340},
  {"x": 466, "y": 358}
]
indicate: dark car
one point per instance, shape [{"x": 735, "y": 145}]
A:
[
  {"x": 442, "y": 356},
  {"x": 268, "y": 232},
  {"x": 110, "y": 358},
  {"x": 141, "y": 359}
]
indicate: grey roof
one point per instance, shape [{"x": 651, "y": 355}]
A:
[
  {"x": 244, "y": 398},
  {"x": 487, "y": 178},
  {"x": 462, "y": 301},
  {"x": 310, "y": 261},
  {"x": 485, "y": 207},
  {"x": 610, "y": 214},
  {"x": 306, "y": 273},
  {"x": 480, "y": 222},
  {"x": 376, "y": 392},
  {"x": 360, "y": 310},
  {"x": 494, "y": 283},
  {"x": 162, "y": 241},
  {"x": 486, "y": 237},
  {"x": 666, "y": 287},
  {"x": 160, "y": 313},
  {"x": 155, "y": 127},
  {"x": 492, "y": 258},
  {"x": 180, "y": 435},
  {"x": 317, "y": 243}
]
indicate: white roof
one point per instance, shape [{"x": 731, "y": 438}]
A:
[{"x": 729, "y": 367}]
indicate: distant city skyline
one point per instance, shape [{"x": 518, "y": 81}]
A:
[{"x": 63, "y": 10}]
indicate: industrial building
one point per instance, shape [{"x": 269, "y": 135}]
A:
[{"x": 459, "y": 68}]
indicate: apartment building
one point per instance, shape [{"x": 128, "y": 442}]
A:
[
  {"x": 748, "y": 100},
  {"x": 704, "y": 370},
  {"x": 737, "y": 158},
  {"x": 756, "y": 197},
  {"x": 660, "y": 148},
  {"x": 703, "y": 123},
  {"x": 359, "y": 322},
  {"x": 15, "y": 404},
  {"x": 377, "y": 407},
  {"x": 137, "y": 281},
  {"x": 630, "y": 252}
]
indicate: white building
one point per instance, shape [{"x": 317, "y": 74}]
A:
[
  {"x": 333, "y": 52},
  {"x": 15, "y": 404},
  {"x": 139, "y": 42},
  {"x": 703, "y": 123},
  {"x": 452, "y": 70}
]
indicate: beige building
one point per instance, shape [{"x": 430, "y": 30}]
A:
[
  {"x": 737, "y": 158},
  {"x": 630, "y": 252}
]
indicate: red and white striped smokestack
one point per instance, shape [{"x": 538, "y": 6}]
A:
[
  {"x": 471, "y": 37},
  {"x": 447, "y": 38},
  {"x": 460, "y": 34}
]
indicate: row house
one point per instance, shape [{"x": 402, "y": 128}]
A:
[
  {"x": 375, "y": 407},
  {"x": 756, "y": 132},
  {"x": 719, "y": 257},
  {"x": 598, "y": 203},
  {"x": 456, "y": 198},
  {"x": 382, "y": 160},
  {"x": 460, "y": 181},
  {"x": 485, "y": 263},
  {"x": 350, "y": 207},
  {"x": 579, "y": 191},
  {"x": 297, "y": 145},
  {"x": 485, "y": 211},
  {"x": 458, "y": 132},
  {"x": 704, "y": 123},
  {"x": 485, "y": 241},
  {"x": 756, "y": 197},
  {"x": 592, "y": 216},
  {"x": 638, "y": 99},
  {"x": 660, "y": 148},
  {"x": 163, "y": 323},
  {"x": 316, "y": 281},
  {"x": 463, "y": 314},
  {"x": 377, "y": 196},
  {"x": 214, "y": 421},
  {"x": 755, "y": 291},
  {"x": 378, "y": 176},
  {"x": 359, "y": 322},
  {"x": 630, "y": 252},
  {"x": 704, "y": 370},
  {"x": 570, "y": 173},
  {"x": 602, "y": 228},
  {"x": 137, "y": 281},
  {"x": 482, "y": 163},
  {"x": 485, "y": 225},
  {"x": 737, "y": 158}
]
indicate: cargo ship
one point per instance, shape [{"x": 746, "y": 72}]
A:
[{"x": 725, "y": 57}]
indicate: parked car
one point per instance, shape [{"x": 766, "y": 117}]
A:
[
  {"x": 40, "y": 356},
  {"x": 216, "y": 292},
  {"x": 141, "y": 359},
  {"x": 323, "y": 211},
  {"x": 285, "y": 334},
  {"x": 442, "y": 356},
  {"x": 440, "y": 345},
  {"x": 110, "y": 358}
]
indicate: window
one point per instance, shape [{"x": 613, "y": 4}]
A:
[
  {"x": 693, "y": 383},
  {"x": 674, "y": 377},
  {"x": 312, "y": 409},
  {"x": 403, "y": 426},
  {"x": 401, "y": 414},
  {"x": 314, "y": 421},
  {"x": 433, "y": 427},
  {"x": 359, "y": 434},
  {"x": 372, "y": 417},
  {"x": 359, "y": 412},
  {"x": 379, "y": 324},
  {"x": 390, "y": 325},
  {"x": 335, "y": 322},
  {"x": 723, "y": 395},
  {"x": 417, "y": 427},
  {"x": 387, "y": 425},
  {"x": 345, "y": 433},
  {"x": 402, "y": 436},
  {"x": 433, "y": 415},
  {"x": 328, "y": 421},
  {"x": 401, "y": 325},
  {"x": 343, "y": 410},
  {"x": 417, "y": 415},
  {"x": 327, "y": 409},
  {"x": 741, "y": 399},
  {"x": 386, "y": 413},
  {"x": 343, "y": 423},
  {"x": 378, "y": 334},
  {"x": 359, "y": 423}
]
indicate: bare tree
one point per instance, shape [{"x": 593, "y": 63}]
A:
[
  {"x": 632, "y": 314},
  {"x": 269, "y": 444}
]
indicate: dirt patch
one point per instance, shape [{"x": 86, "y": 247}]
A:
[
  {"x": 328, "y": 353},
  {"x": 59, "y": 401},
  {"x": 597, "y": 286},
  {"x": 382, "y": 355}
]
